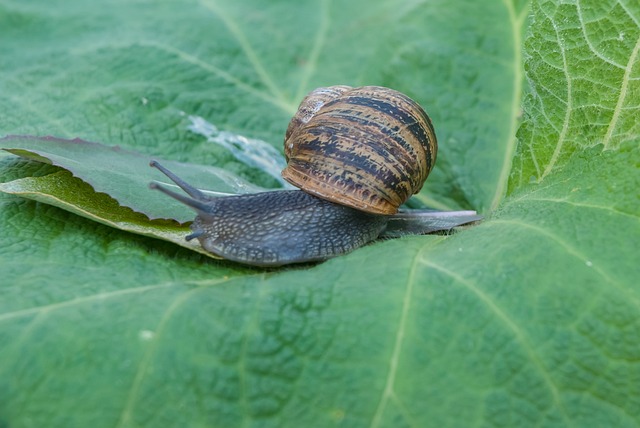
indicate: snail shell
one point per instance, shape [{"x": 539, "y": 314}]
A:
[{"x": 368, "y": 148}]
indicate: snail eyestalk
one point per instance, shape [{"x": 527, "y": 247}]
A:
[
  {"x": 194, "y": 235},
  {"x": 199, "y": 206},
  {"x": 189, "y": 189}
]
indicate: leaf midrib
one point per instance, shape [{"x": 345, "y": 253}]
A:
[{"x": 518, "y": 80}]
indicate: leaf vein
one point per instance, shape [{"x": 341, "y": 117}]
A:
[
  {"x": 318, "y": 44},
  {"x": 515, "y": 329},
  {"x": 17, "y": 346},
  {"x": 623, "y": 94},
  {"x": 516, "y": 98},
  {"x": 579, "y": 204},
  {"x": 388, "y": 392},
  {"x": 554, "y": 95},
  {"x": 83, "y": 300},
  {"x": 574, "y": 252},
  {"x": 244, "y": 350},
  {"x": 631, "y": 15},
  {"x": 240, "y": 36},
  {"x": 29, "y": 107},
  {"x": 586, "y": 38},
  {"x": 569, "y": 108},
  {"x": 151, "y": 350},
  {"x": 278, "y": 102}
]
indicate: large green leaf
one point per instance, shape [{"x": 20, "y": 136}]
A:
[{"x": 529, "y": 319}]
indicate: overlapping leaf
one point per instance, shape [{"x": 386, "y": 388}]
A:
[{"x": 123, "y": 175}]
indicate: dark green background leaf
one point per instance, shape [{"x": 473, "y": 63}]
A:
[
  {"x": 529, "y": 319},
  {"x": 130, "y": 73}
]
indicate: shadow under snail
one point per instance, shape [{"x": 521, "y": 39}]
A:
[{"x": 357, "y": 154}]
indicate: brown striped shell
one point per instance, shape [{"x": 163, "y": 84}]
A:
[{"x": 368, "y": 148}]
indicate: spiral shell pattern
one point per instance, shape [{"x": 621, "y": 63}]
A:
[{"x": 368, "y": 148}]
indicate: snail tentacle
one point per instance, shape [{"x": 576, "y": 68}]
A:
[
  {"x": 200, "y": 206},
  {"x": 189, "y": 189}
]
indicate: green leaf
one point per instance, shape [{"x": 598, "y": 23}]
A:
[
  {"x": 584, "y": 67},
  {"x": 62, "y": 190},
  {"x": 528, "y": 319},
  {"x": 123, "y": 175}
]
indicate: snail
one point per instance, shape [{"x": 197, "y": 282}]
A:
[{"x": 356, "y": 154}]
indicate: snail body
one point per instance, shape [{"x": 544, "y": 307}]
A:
[
  {"x": 275, "y": 228},
  {"x": 307, "y": 228},
  {"x": 357, "y": 154}
]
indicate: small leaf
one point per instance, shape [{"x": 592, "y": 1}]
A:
[
  {"x": 125, "y": 175},
  {"x": 64, "y": 191}
]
